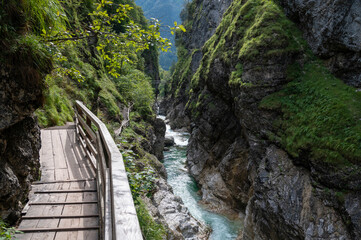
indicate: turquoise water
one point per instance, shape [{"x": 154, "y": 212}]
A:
[{"x": 185, "y": 187}]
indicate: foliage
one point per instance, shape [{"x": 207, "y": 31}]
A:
[
  {"x": 165, "y": 84},
  {"x": 141, "y": 181},
  {"x": 150, "y": 229},
  {"x": 118, "y": 38},
  {"x": 7, "y": 233},
  {"x": 21, "y": 47},
  {"x": 137, "y": 90},
  {"x": 320, "y": 114},
  {"x": 81, "y": 74},
  {"x": 45, "y": 15}
]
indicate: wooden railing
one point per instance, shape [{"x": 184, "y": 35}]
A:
[{"x": 117, "y": 214}]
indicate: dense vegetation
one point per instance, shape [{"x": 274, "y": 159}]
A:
[{"x": 84, "y": 70}]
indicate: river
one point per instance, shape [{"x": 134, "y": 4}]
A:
[{"x": 185, "y": 187}]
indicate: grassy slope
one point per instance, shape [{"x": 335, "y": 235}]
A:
[{"x": 321, "y": 114}]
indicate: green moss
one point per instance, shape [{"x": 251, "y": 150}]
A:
[
  {"x": 321, "y": 114},
  {"x": 236, "y": 76},
  {"x": 250, "y": 30}
]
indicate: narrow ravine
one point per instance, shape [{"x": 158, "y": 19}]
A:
[{"x": 185, "y": 187}]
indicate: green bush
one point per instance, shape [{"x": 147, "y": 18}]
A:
[{"x": 6, "y": 232}]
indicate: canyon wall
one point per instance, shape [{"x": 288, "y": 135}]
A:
[{"x": 274, "y": 133}]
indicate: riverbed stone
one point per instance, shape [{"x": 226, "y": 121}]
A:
[
  {"x": 169, "y": 141},
  {"x": 170, "y": 211}
]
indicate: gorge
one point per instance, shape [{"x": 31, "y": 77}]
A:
[{"x": 263, "y": 103}]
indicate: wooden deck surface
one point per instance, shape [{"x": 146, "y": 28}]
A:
[{"x": 63, "y": 204}]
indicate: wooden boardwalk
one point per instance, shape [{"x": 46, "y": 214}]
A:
[{"x": 63, "y": 204}]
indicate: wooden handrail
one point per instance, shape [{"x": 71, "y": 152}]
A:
[{"x": 117, "y": 214}]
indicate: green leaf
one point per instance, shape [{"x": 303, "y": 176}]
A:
[{"x": 182, "y": 28}]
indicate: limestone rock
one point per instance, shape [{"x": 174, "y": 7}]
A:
[
  {"x": 159, "y": 132},
  {"x": 171, "y": 212},
  {"x": 333, "y": 30},
  {"x": 169, "y": 141}
]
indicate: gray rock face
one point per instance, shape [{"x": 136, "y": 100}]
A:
[
  {"x": 19, "y": 166},
  {"x": 333, "y": 30},
  {"x": 159, "y": 132},
  {"x": 205, "y": 19},
  {"x": 20, "y": 95},
  {"x": 171, "y": 212},
  {"x": 282, "y": 189},
  {"x": 209, "y": 14}
]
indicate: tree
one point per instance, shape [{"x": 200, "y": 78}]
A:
[{"x": 117, "y": 37}]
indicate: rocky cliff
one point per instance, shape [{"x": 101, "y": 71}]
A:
[
  {"x": 23, "y": 64},
  {"x": 20, "y": 94},
  {"x": 201, "y": 19},
  {"x": 273, "y": 132}
]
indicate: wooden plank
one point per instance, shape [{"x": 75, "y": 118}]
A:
[
  {"x": 63, "y": 203},
  {"x": 62, "y": 174},
  {"x": 70, "y": 209},
  {"x": 64, "y": 181},
  {"x": 47, "y": 175},
  {"x": 58, "y": 151},
  {"x": 59, "y": 229},
  {"x": 89, "y": 209},
  {"x": 23, "y": 236},
  {"x": 53, "y": 209},
  {"x": 36, "y": 210},
  {"x": 62, "y": 216},
  {"x": 68, "y": 149},
  {"x": 46, "y": 156},
  {"x": 79, "y": 154},
  {"x": 65, "y": 191},
  {"x": 72, "y": 163},
  {"x": 90, "y": 157},
  {"x": 88, "y": 235},
  {"x": 87, "y": 171}
]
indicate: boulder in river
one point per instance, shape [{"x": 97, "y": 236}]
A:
[{"x": 169, "y": 141}]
